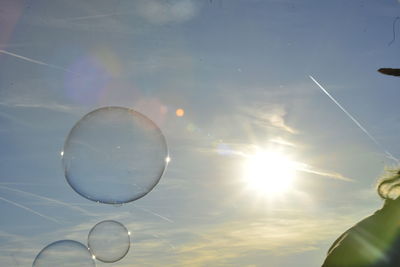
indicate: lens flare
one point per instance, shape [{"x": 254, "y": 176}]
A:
[{"x": 180, "y": 112}]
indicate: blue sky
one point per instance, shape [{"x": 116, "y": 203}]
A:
[{"x": 240, "y": 70}]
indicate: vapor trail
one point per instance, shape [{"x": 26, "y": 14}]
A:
[
  {"x": 94, "y": 16},
  {"x": 306, "y": 168},
  {"x": 30, "y": 210},
  {"x": 388, "y": 154},
  {"x": 48, "y": 199},
  {"x": 154, "y": 213},
  {"x": 36, "y": 61},
  {"x": 165, "y": 240}
]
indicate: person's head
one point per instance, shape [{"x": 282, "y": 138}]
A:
[{"x": 388, "y": 186}]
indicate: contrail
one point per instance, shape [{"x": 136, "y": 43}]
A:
[
  {"x": 49, "y": 200},
  {"x": 165, "y": 240},
  {"x": 30, "y": 210},
  {"x": 155, "y": 214},
  {"x": 306, "y": 168},
  {"x": 388, "y": 154},
  {"x": 95, "y": 16},
  {"x": 36, "y": 61}
]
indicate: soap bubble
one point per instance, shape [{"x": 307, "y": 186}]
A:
[
  {"x": 66, "y": 253},
  {"x": 114, "y": 155},
  {"x": 109, "y": 241}
]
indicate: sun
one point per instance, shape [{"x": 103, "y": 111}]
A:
[{"x": 269, "y": 172}]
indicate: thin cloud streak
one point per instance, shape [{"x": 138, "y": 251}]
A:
[
  {"x": 161, "y": 12},
  {"x": 269, "y": 117},
  {"x": 388, "y": 154},
  {"x": 95, "y": 16},
  {"x": 49, "y": 200},
  {"x": 299, "y": 166},
  {"x": 11, "y": 103},
  {"x": 306, "y": 168},
  {"x": 233, "y": 242},
  {"x": 36, "y": 61},
  {"x": 281, "y": 141},
  {"x": 54, "y": 106},
  {"x": 30, "y": 210},
  {"x": 154, "y": 213}
]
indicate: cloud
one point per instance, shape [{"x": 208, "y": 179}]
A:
[
  {"x": 88, "y": 18},
  {"x": 154, "y": 213},
  {"x": 235, "y": 242},
  {"x": 269, "y": 116},
  {"x": 334, "y": 175},
  {"x": 281, "y": 141},
  {"x": 23, "y": 248},
  {"x": 34, "y": 61},
  {"x": 31, "y": 210},
  {"x": 162, "y": 12},
  {"x": 49, "y": 200},
  {"x": 158, "y": 12},
  {"x": 122, "y": 16},
  {"x": 50, "y": 106},
  {"x": 240, "y": 243},
  {"x": 108, "y": 24},
  {"x": 19, "y": 96}
]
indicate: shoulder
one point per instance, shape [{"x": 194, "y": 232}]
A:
[{"x": 361, "y": 245}]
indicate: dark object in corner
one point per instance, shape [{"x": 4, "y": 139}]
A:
[
  {"x": 373, "y": 242},
  {"x": 389, "y": 71}
]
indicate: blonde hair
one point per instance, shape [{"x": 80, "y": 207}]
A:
[{"x": 388, "y": 186}]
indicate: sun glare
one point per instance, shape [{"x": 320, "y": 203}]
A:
[{"x": 269, "y": 172}]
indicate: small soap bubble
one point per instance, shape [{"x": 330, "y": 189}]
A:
[
  {"x": 66, "y": 253},
  {"x": 109, "y": 241},
  {"x": 114, "y": 155}
]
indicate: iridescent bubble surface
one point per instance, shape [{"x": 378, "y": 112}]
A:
[
  {"x": 114, "y": 155},
  {"x": 109, "y": 241},
  {"x": 66, "y": 253}
]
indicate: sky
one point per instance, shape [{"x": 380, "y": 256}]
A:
[{"x": 240, "y": 70}]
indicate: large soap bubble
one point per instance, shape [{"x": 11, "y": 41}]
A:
[
  {"x": 109, "y": 241},
  {"x": 66, "y": 253},
  {"x": 114, "y": 155}
]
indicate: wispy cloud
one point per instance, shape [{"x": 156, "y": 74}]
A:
[
  {"x": 35, "y": 61},
  {"x": 50, "y": 106},
  {"x": 11, "y": 104},
  {"x": 237, "y": 242},
  {"x": 153, "y": 12},
  {"x": 221, "y": 243},
  {"x": 162, "y": 12},
  {"x": 154, "y": 213},
  {"x": 233, "y": 241},
  {"x": 30, "y": 210},
  {"x": 269, "y": 116},
  {"x": 97, "y": 16},
  {"x": 282, "y": 141},
  {"x": 104, "y": 23},
  {"x": 247, "y": 150},
  {"x": 50, "y": 200},
  {"x": 329, "y": 174}
]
